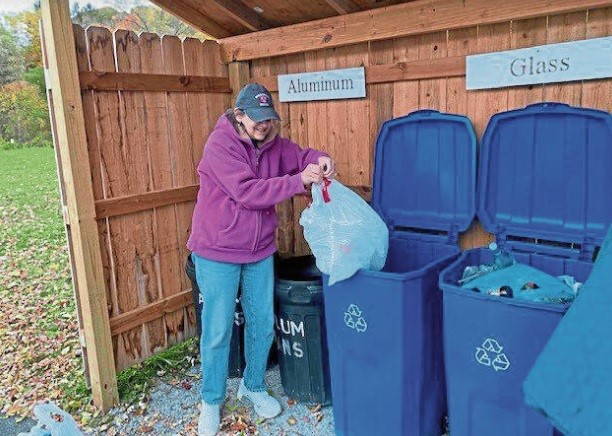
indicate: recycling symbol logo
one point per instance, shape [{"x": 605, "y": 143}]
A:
[
  {"x": 490, "y": 354},
  {"x": 354, "y": 320}
]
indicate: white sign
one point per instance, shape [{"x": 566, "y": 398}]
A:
[
  {"x": 322, "y": 85},
  {"x": 564, "y": 62}
]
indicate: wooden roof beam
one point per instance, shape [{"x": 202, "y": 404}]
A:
[
  {"x": 343, "y": 6},
  {"x": 243, "y": 14},
  {"x": 413, "y": 18},
  {"x": 194, "y": 17}
]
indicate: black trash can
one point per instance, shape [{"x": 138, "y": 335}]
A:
[
  {"x": 300, "y": 330},
  {"x": 236, "y": 361}
]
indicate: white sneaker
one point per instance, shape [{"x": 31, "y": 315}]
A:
[
  {"x": 210, "y": 419},
  {"x": 264, "y": 404}
]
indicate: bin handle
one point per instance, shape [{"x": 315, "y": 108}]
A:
[
  {"x": 424, "y": 112},
  {"x": 299, "y": 297},
  {"x": 553, "y": 105}
]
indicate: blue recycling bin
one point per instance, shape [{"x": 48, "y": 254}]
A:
[
  {"x": 384, "y": 328},
  {"x": 545, "y": 185}
]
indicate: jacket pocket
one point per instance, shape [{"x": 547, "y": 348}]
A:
[
  {"x": 241, "y": 232},
  {"x": 232, "y": 223}
]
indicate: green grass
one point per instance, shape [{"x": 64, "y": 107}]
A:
[
  {"x": 33, "y": 231},
  {"x": 37, "y": 301},
  {"x": 133, "y": 382},
  {"x": 36, "y": 293},
  {"x": 29, "y": 187}
]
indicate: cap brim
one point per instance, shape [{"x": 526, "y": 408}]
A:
[{"x": 259, "y": 114}]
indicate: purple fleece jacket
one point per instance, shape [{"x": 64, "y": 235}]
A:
[{"x": 234, "y": 218}]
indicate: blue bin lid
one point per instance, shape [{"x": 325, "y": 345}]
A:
[
  {"x": 425, "y": 171},
  {"x": 546, "y": 173}
]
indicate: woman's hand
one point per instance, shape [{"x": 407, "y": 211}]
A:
[
  {"x": 328, "y": 166},
  {"x": 312, "y": 174}
]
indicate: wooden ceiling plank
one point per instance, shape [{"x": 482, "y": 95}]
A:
[
  {"x": 343, "y": 6},
  {"x": 243, "y": 14},
  {"x": 193, "y": 16},
  {"x": 413, "y": 18}
]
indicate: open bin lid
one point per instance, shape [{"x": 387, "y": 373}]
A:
[
  {"x": 546, "y": 173},
  {"x": 425, "y": 171}
]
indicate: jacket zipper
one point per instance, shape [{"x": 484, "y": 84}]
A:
[
  {"x": 259, "y": 219},
  {"x": 257, "y": 231}
]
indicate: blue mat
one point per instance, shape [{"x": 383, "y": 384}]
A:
[{"x": 571, "y": 382}]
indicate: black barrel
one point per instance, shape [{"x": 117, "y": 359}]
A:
[
  {"x": 236, "y": 361},
  {"x": 300, "y": 330}
]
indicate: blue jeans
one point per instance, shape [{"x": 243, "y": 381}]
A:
[{"x": 219, "y": 283}]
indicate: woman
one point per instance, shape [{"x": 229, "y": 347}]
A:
[{"x": 247, "y": 168}]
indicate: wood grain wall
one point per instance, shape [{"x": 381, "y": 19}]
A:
[{"x": 347, "y": 129}]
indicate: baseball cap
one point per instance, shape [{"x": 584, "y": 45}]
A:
[{"x": 256, "y": 101}]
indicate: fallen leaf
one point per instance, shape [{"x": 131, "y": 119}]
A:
[
  {"x": 145, "y": 428},
  {"x": 315, "y": 408},
  {"x": 238, "y": 426}
]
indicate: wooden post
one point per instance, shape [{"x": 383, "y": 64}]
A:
[
  {"x": 71, "y": 144},
  {"x": 239, "y": 75}
]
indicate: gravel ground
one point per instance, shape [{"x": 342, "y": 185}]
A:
[
  {"x": 173, "y": 410},
  {"x": 9, "y": 427}
]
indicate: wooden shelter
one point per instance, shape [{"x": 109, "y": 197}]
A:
[{"x": 131, "y": 114}]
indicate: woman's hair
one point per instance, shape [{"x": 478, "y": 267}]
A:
[{"x": 232, "y": 117}]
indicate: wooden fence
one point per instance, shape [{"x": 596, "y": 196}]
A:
[{"x": 149, "y": 103}]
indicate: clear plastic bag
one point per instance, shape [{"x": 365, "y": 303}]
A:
[
  {"x": 53, "y": 421},
  {"x": 344, "y": 233}
]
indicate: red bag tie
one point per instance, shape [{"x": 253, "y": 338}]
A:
[{"x": 326, "y": 183}]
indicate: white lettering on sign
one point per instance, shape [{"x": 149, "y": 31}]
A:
[
  {"x": 290, "y": 332},
  {"x": 290, "y": 348},
  {"x": 322, "y": 85},
  {"x": 289, "y": 327},
  {"x": 563, "y": 62}
]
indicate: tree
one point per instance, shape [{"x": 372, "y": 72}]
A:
[
  {"x": 139, "y": 19},
  {"x": 25, "y": 26},
  {"x": 24, "y": 117},
  {"x": 11, "y": 57},
  {"x": 36, "y": 76},
  {"x": 89, "y": 16},
  {"x": 156, "y": 20}
]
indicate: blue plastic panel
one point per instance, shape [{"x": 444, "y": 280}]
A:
[
  {"x": 546, "y": 173},
  {"x": 425, "y": 171}
]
